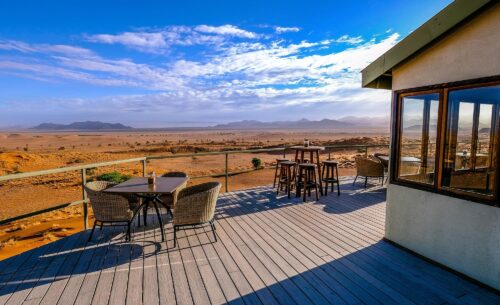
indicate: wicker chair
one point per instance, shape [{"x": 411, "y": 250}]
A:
[
  {"x": 108, "y": 208},
  {"x": 168, "y": 200},
  {"x": 195, "y": 206},
  {"x": 369, "y": 168},
  {"x": 384, "y": 162}
]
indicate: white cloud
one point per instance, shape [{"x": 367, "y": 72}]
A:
[
  {"x": 132, "y": 39},
  {"x": 281, "y": 29},
  {"x": 350, "y": 40},
  {"x": 160, "y": 40},
  {"x": 226, "y": 29},
  {"x": 14, "y": 45},
  {"x": 233, "y": 76}
]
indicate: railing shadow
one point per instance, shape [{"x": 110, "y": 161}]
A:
[{"x": 255, "y": 200}]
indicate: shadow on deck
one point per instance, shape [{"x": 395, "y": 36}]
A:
[{"x": 271, "y": 250}]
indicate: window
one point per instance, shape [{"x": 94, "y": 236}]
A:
[
  {"x": 447, "y": 140},
  {"x": 471, "y": 135},
  {"x": 417, "y": 157}
]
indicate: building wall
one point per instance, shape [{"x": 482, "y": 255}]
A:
[
  {"x": 460, "y": 234},
  {"x": 471, "y": 52}
]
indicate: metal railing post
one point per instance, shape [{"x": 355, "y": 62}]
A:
[
  {"x": 84, "y": 197},
  {"x": 366, "y": 151},
  {"x": 143, "y": 167},
  {"x": 226, "y": 171},
  {"x": 284, "y": 152}
]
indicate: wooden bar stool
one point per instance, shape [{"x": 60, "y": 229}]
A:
[
  {"x": 307, "y": 180},
  {"x": 278, "y": 166},
  {"x": 286, "y": 176},
  {"x": 330, "y": 175}
]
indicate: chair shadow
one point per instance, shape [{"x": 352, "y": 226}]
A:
[{"x": 70, "y": 256}]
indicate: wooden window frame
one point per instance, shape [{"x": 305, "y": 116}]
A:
[{"x": 443, "y": 109}]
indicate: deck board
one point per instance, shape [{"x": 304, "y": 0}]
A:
[{"x": 270, "y": 250}]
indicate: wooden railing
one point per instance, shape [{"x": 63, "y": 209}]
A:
[{"x": 143, "y": 160}]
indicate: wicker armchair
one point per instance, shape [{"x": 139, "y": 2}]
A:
[
  {"x": 369, "y": 168},
  {"x": 168, "y": 200},
  {"x": 195, "y": 206},
  {"x": 108, "y": 208}
]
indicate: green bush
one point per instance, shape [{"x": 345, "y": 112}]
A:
[
  {"x": 113, "y": 177},
  {"x": 256, "y": 162}
]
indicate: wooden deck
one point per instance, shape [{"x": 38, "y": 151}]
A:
[{"x": 270, "y": 251}]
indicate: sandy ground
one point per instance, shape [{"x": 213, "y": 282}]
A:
[{"x": 23, "y": 152}]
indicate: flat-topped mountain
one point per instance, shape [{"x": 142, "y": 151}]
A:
[{"x": 87, "y": 125}]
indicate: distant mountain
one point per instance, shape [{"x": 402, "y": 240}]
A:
[
  {"x": 349, "y": 123},
  {"x": 485, "y": 130},
  {"x": 367, "y": 121},
  {"x": 87, "y": 125},
  {"x": 419, "y": 127}
]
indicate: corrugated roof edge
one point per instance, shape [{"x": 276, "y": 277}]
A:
[{"x": 378, "y": 74}]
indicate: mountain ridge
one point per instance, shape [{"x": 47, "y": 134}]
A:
[
  {"x": 342, "y": 123},
  {"x": 86, "y": 125}
]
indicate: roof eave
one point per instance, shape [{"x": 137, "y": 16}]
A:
[{"x": 378, "y": 73}]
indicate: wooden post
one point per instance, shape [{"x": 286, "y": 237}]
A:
[
  {"x": 226, "y": 171},
  {"x": 84, "y": 197},
  {"x": 143, "y": 167},
  {"x": 366, "y": 151},
  {"x": 284, "y": 152}
]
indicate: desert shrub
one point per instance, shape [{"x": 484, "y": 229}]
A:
[
  {"x": 256, "y": 162},
  {"x": 16, "y": 169},
  {"x": 113, "y": 177},
  {"x": 62, "y": 148}
]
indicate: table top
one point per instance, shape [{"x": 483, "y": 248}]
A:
[
  {"x": 163, "y": 185},
  {"x": 308, "y": 148},
  {"x": 403, "y": 159}
]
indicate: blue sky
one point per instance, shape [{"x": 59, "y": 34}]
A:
[{"x": 183, "y": 63}]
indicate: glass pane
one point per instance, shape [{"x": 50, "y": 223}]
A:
[
  {"x": 471, "y": 137},
  {"x": 418, "y": 138},
  {"x": 464, "y": 135}
]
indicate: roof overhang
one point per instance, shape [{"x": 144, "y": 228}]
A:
[{"x": 378, "y": 74}]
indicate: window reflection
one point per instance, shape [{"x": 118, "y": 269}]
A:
[
  {"x": 418, "y": 138},
  {"x": 472, "y": 132}
]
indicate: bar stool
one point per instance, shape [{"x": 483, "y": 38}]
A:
[
  {"x": 286, "y": 176},
  {"x": 330, "y": 174},
  {"x": 278, "y": 162},
  {"x": 307, "y": 180}
]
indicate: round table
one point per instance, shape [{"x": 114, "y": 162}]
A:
[{"x": 313, "y": 151}]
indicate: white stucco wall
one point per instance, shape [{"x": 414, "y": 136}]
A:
[
  {"x": 471, "y": 52},
  {"x": 460, "y": 234}
]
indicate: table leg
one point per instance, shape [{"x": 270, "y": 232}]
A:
[
  {"x": 296, "y": 156},
  {"x": 159, "y": 219},
  {"x": 319, "y": 171},
  {"x": 302, "y": 156},
  {"x": 145, "y": 211}
]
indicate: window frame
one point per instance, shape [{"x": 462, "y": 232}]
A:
[
  {"x": 400, "y": 134},
  {"x": 443, "y": 109}
]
